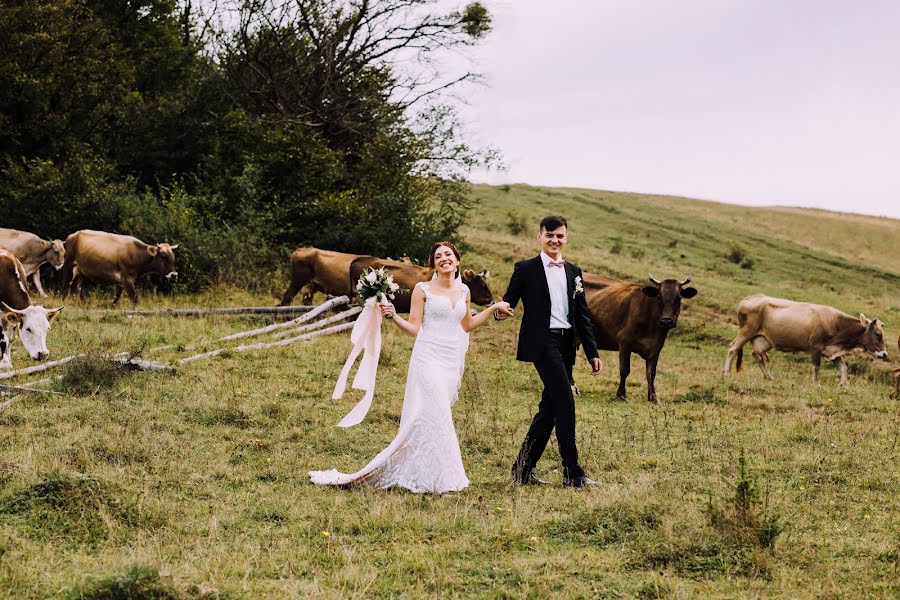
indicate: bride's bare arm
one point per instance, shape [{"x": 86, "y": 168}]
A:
[
  {"x": 471, "y": 323},
  {"x": 416, "y": 309}
]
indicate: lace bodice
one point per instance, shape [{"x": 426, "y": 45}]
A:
[{"x": 442, "y": 318}]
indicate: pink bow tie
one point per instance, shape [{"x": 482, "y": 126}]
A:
[{"x": 556, "y": 263}]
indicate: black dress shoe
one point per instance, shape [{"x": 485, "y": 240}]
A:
[
  {"x": 579, "y": 482},
  {"x": 532, "y": 480}
]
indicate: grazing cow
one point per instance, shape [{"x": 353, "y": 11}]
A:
[
  {"x": 104, "y": 257},
  {"x": 895, "y": 395},
  {"x": 790, "y": 326},
  {"x": 315, "y": 270},
  {"x": 327, "y": 271},
  {"x": 32, "y": 252},
  {"x": 408, "y": 275},
  {"x": 630, "y": 317},
  {"x": 32, "y": 320}
]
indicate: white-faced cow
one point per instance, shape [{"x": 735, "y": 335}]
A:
[
  {"x": 33, "y": 252},
  {"x": 634, "y": 318},
  {"x": 33, "y": 321},
  {"x": 821, "y": 331},
  {"x": 103, "y": 257}
]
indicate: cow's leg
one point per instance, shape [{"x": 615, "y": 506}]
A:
[
  {"x": 68, "y": 277},
  {"x": 132, "y": 293},
  {"x": 118, "y": 295},
  {"x": 624, "y": 370},
  {"x": 651, "y": 377},
  {"x": 733, "y": 349},
  {"x": 895, "y": 395},
  {"x": 36, "y": 279},
  {"x": 842, "y": 368},
  {"x": 78, "y": 282},
  {"x": 816, "y": 358},
  {"x": 289, "y": 294},
  {"x": 760, "y": 346}
]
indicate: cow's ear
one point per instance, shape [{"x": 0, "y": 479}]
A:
[
  {"x": 152, "y": 250},
  {"x": 11, "y": 318},
  {"x": 688, "y": 292},
  {"x": 53, "y": 312},
  {"x": 863, "y": 319},
  {"x": 650, "y": 290},
  {"x": 469, "y": 274},
  {"x": 485, "y": 274}
]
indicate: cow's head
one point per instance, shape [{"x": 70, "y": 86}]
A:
[
  {"x": 56, "y": 254},
  {"x": 34, "y": 323},
  {"x": 163, "y": 260},
  {"x": 668, "y": 294},
  {"x": 478, "y": 286},
  {"x": 872, "y": 340}
]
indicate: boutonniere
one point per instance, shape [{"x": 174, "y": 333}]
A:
[{"x": 579, "y": 289}]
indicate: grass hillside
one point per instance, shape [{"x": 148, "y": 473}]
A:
[{"x": 193, "y": 484}]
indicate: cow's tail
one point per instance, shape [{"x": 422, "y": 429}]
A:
[{"x": 740, "y": 359}]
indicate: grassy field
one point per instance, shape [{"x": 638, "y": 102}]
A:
[{"x": 194, "y": 484}]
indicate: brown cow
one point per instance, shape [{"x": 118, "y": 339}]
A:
[
  {"x": 328, "y": 271},
  {"x": 630, "y": 317},
  {"x": 790, "y": 326},
  {"x": 104, "y": 257},
  {"x": 315, "y": 270},
  {"x": 33, "y": 252},
  {"x": 895, "y": 395},
  {"x": 33, "y": 320},
  {"x": 407, "y": 276}
]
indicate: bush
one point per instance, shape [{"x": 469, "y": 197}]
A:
[
  {"x": 516, "y": 223},
  {"x": 616, "y": 247},
  {"x": 736, "y": 255},
  {"x": 747, "y": 263}
]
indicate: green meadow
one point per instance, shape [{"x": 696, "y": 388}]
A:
[{"x": 193, "y": 484}]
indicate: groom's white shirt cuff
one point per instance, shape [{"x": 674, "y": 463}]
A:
[{"x": 558, "y": 287}]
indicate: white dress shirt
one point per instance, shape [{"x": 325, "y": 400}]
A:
[{"x": 559, "y": 293}]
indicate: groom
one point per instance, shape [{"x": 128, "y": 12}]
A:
[{"x": 555, "y": 310}]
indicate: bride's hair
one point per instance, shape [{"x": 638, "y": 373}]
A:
[{"x": 437, "y": 245}]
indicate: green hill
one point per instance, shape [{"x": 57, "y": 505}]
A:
[
  {"x": 193, "y": 484},
  {"x": 851, "y": 262}
]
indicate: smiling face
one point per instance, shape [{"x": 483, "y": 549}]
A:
[
  {"x": 444, "y": 260},
  {"x": 552, "y": 242}
]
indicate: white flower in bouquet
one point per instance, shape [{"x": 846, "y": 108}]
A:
[{"x": 378, "y": 284}]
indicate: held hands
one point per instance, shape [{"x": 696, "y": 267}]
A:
[
  {"x": 502, "y": 310},
  {"x": 596, "y": 366}
]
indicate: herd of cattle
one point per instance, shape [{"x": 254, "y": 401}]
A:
[{"x": 627, "y": 317}]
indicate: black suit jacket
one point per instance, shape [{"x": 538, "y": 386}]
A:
[{"x": 529, "y": 283}]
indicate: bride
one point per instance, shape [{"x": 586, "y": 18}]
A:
[{"x": 425, "y": 457}]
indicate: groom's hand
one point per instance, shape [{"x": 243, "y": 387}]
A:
[{"x": 596, "y": 366}]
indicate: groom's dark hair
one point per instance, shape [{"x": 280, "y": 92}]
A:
[{"x": 552, "y": 223}]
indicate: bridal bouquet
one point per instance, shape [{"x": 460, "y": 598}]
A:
[
  {"x": 374, "y": 287},
  {"x": 378, "y": 284}
]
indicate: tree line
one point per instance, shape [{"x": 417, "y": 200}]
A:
[{"x": 240, "y": 130}]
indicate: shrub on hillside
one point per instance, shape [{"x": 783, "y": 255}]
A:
[
  {"x": 736, "y": 255},
  {"x": 516, "y": 223}
]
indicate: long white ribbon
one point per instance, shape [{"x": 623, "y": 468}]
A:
[{"x": 366, "y": 339}]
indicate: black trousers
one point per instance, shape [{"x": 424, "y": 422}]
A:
[{"x": 557, "y": 409}]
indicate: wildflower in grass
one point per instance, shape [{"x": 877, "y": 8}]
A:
[{"x": 326, "y": 534}]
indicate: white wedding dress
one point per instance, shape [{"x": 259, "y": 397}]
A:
[{"x": 424, "y": 457}]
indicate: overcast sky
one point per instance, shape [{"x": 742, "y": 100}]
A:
[{"x": 763, "y": 102}]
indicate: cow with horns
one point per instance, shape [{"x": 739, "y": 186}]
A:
[{"x": 633, "y": 318}]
